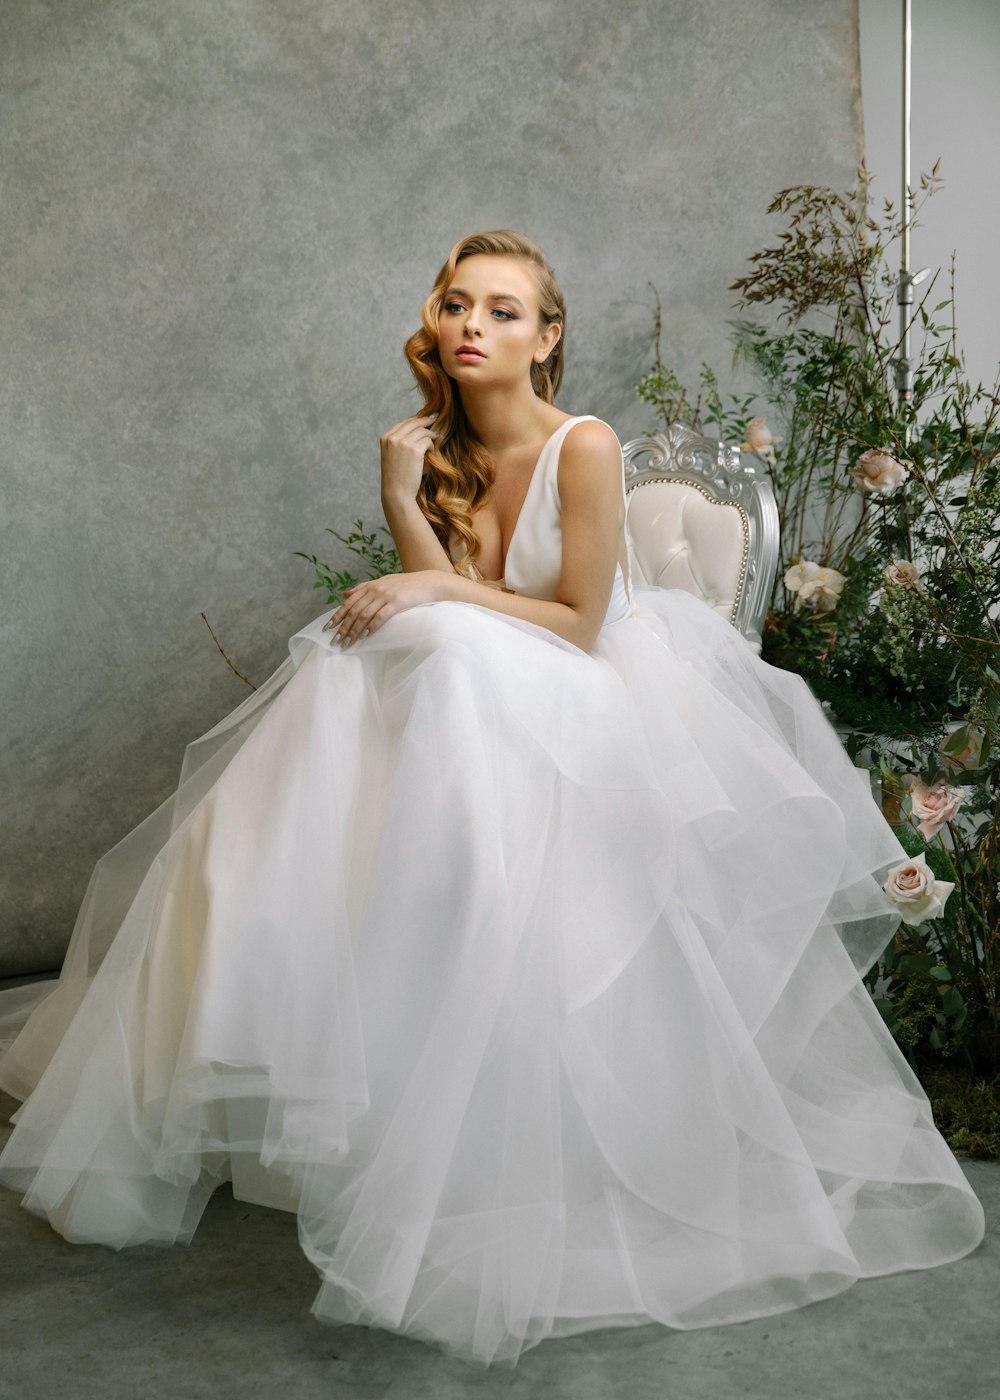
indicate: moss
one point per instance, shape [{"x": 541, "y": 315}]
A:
[{"x": 966, "y": 1110}]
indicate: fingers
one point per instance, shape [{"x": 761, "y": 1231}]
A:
[
  {"x": 356, "y": 616},
  {"x": 407, "y": 427},
  {"x": 416, "y": 440}
]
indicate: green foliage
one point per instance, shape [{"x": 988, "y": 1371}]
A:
[
  {"x": 902, "y": 639},
  {"x": 672, "y": 403},
  {"x": 966, "y": 1110},
  {"x": 381, "y": 559}
]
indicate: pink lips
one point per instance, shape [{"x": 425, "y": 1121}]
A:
[{"x": 468, "y": 352}]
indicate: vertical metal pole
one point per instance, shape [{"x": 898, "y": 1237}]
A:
[
  {"x": 907, "y": 37},
  {"x": 904, "y": 292}
]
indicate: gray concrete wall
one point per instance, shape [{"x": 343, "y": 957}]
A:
[{"x": 219, "y": 220}]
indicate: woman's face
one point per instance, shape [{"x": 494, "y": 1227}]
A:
[{"x": 489, "y": 329}]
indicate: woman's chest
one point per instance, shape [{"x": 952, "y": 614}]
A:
[{"x": 496, "y": 517}]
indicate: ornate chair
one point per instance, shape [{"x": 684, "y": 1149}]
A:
[{"x": 702, "y": 517}]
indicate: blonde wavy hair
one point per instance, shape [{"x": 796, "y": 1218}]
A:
[{"x": 458, "y": 471}]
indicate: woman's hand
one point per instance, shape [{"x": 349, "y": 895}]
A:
[
  {"x": 403, "y": 450},
  {"x": 367, "y": 606}
]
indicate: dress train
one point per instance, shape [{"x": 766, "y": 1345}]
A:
[{"x": 529, "y": 978}]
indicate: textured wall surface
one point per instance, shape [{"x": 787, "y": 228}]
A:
[{"x": 219, "y": 220}]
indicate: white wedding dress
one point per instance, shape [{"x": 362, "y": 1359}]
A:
[{"x": 530, "y": 978}]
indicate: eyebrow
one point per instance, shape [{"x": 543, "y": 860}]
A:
[{"x": 494, "y": 296}]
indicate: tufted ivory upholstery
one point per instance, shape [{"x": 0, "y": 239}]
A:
[
  {"x": 702, "y": 518},
  {"x": 682, "y": 538}
]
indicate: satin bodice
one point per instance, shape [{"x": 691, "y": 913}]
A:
[{"x": 534, "y": 554}]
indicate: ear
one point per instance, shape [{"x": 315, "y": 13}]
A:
[{"x": 547, "y": 341}]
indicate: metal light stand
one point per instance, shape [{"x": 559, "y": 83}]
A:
[
  {"x": 904, "y": 291},
  {"x": 907, "y": 280}
]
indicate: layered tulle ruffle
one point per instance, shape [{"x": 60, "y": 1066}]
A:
[{"x": 528, "y": 978}]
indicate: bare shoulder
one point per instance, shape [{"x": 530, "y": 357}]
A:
[
  {"x": 589, "y": 436},
  {"x": 591, "y": 454}
]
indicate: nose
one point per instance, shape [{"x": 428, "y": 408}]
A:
[{"x": 472, "y": 322}]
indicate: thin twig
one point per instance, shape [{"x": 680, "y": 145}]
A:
[
  {"x": 246, "y": 680},
  {"x": 939, "y": 632}
]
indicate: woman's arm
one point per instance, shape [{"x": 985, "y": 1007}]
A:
[
  {"x": 591, "y": 517},
  {"x": 416, "y": 543}
]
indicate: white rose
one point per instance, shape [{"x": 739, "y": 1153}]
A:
[
  {"x": 902, "y": 572},
  {"x": 815, "y": 583},
  {"x": 914, "y": 890},
  {"x": 879, "y": 472},
  {"x": 759, "y": 438}
]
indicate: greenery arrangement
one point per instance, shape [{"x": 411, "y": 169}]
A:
[
  {"x": 888, "y": 590},
  {"x": 378, "y": 558}
]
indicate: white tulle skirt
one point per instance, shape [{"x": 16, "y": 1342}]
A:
[{"x": 530, "y": 979}]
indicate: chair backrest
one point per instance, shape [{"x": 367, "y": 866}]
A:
[{"x": 702, "y": 516}]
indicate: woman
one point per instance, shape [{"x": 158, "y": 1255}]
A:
[{"x": 512, "y": 934}]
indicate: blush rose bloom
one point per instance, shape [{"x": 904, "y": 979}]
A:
[
  {"x": 915, "y": 892},
  {"x": 815, "y": 584},
  {"x": 759, "y": 438},
  {"x": 962, "y": 750},
  {"x": 934, "y": 805},
  {"x": 879, "y": 472},
  {"x": 902, "y": 572}
]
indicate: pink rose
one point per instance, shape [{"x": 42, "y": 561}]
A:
[
  {"x": 934, "y": 805},
  {"x": 759, "y": 438},
  {"x": 879, "y": 472},
  {"x": 914, "y": 890},
  {"x": 903, "y": 573}
]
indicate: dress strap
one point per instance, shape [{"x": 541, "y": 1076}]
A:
[
  {"x": 628, "y": 553},
  {"x": 627, "y": 570}
]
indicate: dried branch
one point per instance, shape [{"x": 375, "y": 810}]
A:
[{"x": 245, "y": 679}]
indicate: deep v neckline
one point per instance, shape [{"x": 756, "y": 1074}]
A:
[{"x": 531, "y": 482}]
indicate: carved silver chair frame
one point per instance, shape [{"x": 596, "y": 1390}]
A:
[{"x": 729, "y": 479}]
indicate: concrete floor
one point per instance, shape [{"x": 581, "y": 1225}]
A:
[{"x": 227, "y": 1318}]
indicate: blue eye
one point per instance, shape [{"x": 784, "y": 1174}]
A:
[{"x": 454, "y": 308}]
